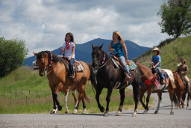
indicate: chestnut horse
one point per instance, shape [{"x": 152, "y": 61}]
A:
[
  {"x": 57, "y": 73},
  {"x": 149, "y": 81}
]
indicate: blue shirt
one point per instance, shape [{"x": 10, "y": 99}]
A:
[
  {"x": 118, "y": 49},
  {"x": 156, "y": 59}
]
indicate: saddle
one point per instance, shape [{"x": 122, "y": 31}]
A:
[
  {"x": 118, "y": 64},
  {"x": 77, "y": 66}
]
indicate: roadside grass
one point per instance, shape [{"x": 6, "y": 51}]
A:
[{"x": 24, "y": 91}]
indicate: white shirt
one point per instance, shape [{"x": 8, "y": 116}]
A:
[{"x": 68, "y": 52}]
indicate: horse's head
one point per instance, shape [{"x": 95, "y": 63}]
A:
[
  {"x": 42, "y": 61},
  {"x": 98, "y": 56}
]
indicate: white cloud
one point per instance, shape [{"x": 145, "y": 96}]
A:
[{"x": 43, "y": 24}]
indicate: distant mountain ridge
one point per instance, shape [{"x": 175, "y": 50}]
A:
[{"x": 83, "y": 51}]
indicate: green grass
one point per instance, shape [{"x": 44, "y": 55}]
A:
[
  {"x": 24, "y": 91},
  {"x": 170, "y": 53}
]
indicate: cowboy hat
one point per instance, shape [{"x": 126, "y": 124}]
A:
[{"x": 156, "y": 49}]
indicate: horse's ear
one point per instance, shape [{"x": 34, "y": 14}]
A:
[
  {"x": 35, "y": 54},
  {"x": 100, "y": 47}
]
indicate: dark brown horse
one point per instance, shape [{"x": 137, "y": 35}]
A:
[
  {"x": 149, "y": 81},
  {"x": 106, "y": 75},
  {"x": 57, "y": 73}
]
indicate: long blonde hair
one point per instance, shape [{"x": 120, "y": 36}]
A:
[{"x": 118, "y": 34}]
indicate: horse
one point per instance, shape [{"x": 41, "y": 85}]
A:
[
  {"x": 106, "y": 75},
  {"x": 149, "y": 81},
  {"x": 57, "y": 74},
  {"x": 180, "y": 89},
  {"x": 183, "y": 91}
]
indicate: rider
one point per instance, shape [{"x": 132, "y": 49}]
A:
[
  {"x": 119, "y": 49},
  {"x": 68, "y": 51},
  {"x": 156, "y": 61},
  {"x": 182, "y": 70}
]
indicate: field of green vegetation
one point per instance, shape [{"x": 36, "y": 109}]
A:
[
  {"x": 24, "y": 91},
  {"x": 171, "y": 52}
]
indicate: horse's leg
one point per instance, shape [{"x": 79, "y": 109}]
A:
[
  {"x": 74, "y": 96},
  {"x": 135, "y": 97},
  {"x": 159, "y": 100},
  {"x": 122, "y": 97},
  {"x": 56, "y": 104},
  {"x": 147, "y": 99},
  {"x": 171, "y": 95},
  {"x": 141, "y": 99},
  {"x": 84, "y": 105},
  {"x": 78, "y": 102},
  {"x": 98, "y": 92},
  {"x": 108, "y": 97},
  {"x": 66, "y": 101}
]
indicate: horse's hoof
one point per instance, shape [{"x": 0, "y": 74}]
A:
[
  {"x": 84, "y": 111},
  {"x": 171, "y": 113},
  {"x": 59, "y": 108},
  {"x": 75, "y": 110},
  {"x": 106, "y": 114},
  {"x": 134, "y": 114},
  {"x": 53, "y": 111},
  {"x": 146, "y": 111},
  {"x": 102, "y": 109},
  {"x": 118, "y": 113},
  {"x": 156, "y": 112},
  {"x": 66, "y": 112}
]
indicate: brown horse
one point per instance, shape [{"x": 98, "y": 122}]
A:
[
  {"x": 182, "y": 90},
  {"x": 149, "y": 81},
  {"x": 57, "y": 73}
]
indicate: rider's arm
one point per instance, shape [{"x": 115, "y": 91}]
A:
[
  {"x": 73, "y": 51},
  {"x": 154, "y": 66},
  {"x": 124, "y": 49}
]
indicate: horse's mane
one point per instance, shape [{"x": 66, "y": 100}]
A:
[{"x": 53, "y": 57}]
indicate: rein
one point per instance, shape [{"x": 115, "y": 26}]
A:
[{"x": 104, "y": 62}]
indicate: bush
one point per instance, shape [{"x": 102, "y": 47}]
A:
[{"x": 12, "y": 53}]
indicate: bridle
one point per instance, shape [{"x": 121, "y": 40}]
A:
[
  {"x": 49, "y": 66},
  {"x": 103, "y": 63}
]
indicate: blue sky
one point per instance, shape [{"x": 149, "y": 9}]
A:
[{"x": 43, "y": 23}]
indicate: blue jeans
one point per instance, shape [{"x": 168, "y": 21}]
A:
[
  {"x": 123, "y": 61},
  {"x": 157, "y": 70},
  {"x": 71, "y": 63}
]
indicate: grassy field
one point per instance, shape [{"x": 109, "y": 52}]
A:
[
  {"x": 170, "y": 53},
  {"x": 24, "y": 91}
]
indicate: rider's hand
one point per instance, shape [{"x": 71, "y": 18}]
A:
[{"x": 128, "y": 62}]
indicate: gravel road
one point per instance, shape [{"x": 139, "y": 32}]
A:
[{"x": 181, "y": 119}]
